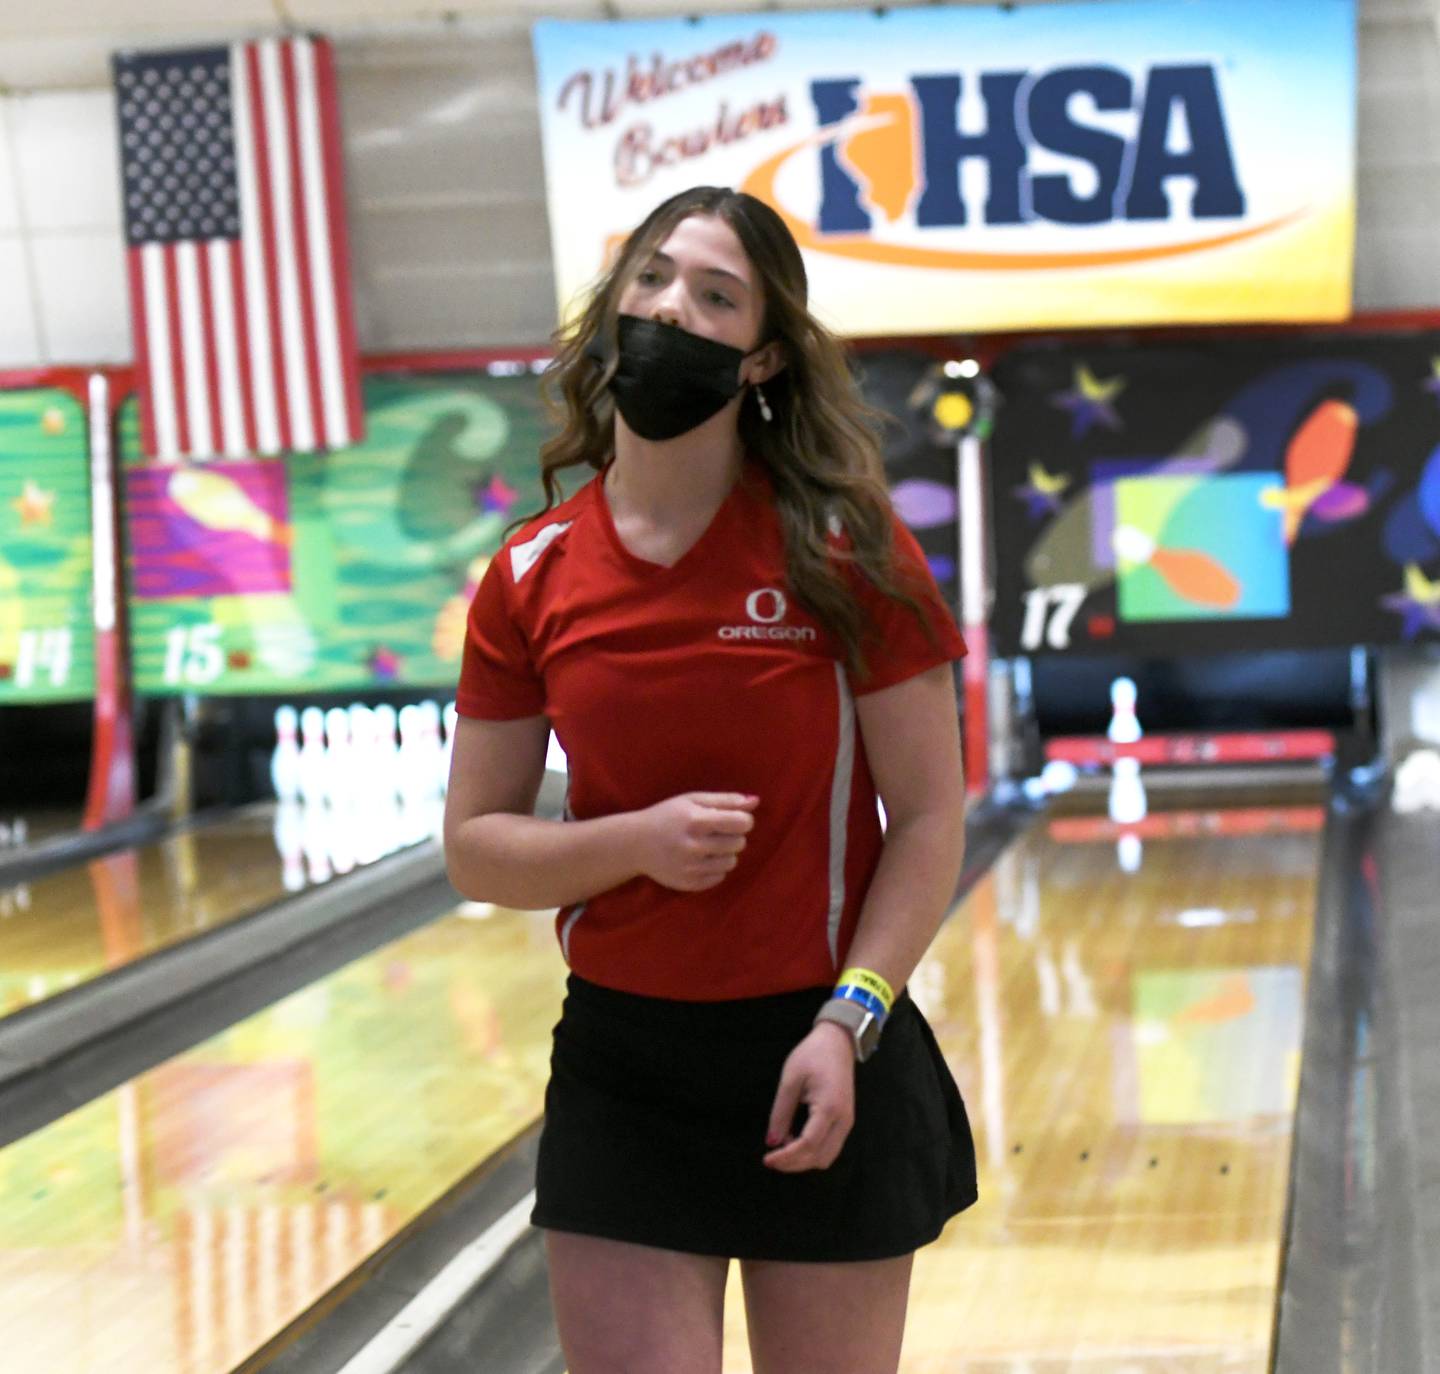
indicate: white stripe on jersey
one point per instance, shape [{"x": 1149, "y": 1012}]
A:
[
  {"x": 579, "y": 911},
  {"x": 524, "y": 556},
  {"x": 840, "y": 786}
]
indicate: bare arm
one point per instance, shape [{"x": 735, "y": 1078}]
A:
[
  {"x": 497, "y": 851},
  {"x": 912, "y": 738}
]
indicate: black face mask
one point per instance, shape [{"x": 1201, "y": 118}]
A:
[{"x": 667, "y": 380}]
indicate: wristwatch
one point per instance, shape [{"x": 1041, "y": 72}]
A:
[{"x": 864, "y": 1026}]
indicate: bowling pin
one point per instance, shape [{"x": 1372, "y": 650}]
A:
[
  {"x": 367, "y": 824},
  {"x": 312, "y": 756},
  {"x": 433, "y": 747},
  {"x": 362, "y": 754},
  {"x": 339, "y": 775},
  {"x": 339, "y": 828},
  {"x": 413, "y": 779},
  {"x": 1129, "y": 853},
  {"x": 1128, "y": 803},
  {"x": 387, "y": 750},
  {"x": 289, "y": 842},
  {"x": 389, "y": 822},
  {"x": 313, "y": 840},
  {"x": 1124, "y": 724},
  {"x": 285, "y": 761},
  {"x": 360, "y": 716}
]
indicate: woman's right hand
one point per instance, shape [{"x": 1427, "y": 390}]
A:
[{"x": 692, "y": 841}]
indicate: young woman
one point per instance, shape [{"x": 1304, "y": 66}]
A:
[{"x": 738, "y": 645}]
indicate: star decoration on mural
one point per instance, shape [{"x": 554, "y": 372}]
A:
[
  {"x": 1042, "y": 492},
  {"x": 495, "y": 496},
  {"x": 384, "y": 663},
  {"x": 1432, "y": 383},
  {"x": 1088, "y": 402},
  {"x": 1418, "y": 604},
  {"x": 34, "y": 506}
]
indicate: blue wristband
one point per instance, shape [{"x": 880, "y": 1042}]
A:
[{"x": 849, "y": 992}]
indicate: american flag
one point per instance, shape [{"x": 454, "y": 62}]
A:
[{"x": 237, "y": 251}]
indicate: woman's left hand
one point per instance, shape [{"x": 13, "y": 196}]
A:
[{"x": 820, "y": 1072}]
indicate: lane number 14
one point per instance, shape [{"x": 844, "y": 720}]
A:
[{"x": 43, "y": 652}]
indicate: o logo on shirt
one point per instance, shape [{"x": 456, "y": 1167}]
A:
[{"x": 753, "y": 604}]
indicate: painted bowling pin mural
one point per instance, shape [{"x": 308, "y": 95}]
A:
[{"x": 1226, "y": 497}]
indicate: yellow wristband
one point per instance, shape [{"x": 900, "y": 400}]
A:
[{"x": 871, "y": 982}]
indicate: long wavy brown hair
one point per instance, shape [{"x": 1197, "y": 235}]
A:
[{"x": 821, "y": 450}]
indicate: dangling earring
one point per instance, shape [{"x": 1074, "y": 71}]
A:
[{"x": 764, "y": 405}]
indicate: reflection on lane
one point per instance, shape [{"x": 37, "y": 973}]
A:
[
  {"x": 70, "y": 926},
  {"x": 186, "y": 1217},
  {"x": 1128, "y": 1045}
]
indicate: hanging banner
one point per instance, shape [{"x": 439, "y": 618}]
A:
[
  {"x": 47, "y": 638},
  {"x": 331, "y": 572},
  {"x": 1249, "y": 495},
  {"x": 948, "y": 169}
]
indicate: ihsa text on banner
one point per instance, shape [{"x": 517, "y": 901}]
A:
[{"x": 1120, "y": 162}]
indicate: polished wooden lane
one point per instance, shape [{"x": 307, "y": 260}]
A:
[
  {"x": 1128, "y": 1046},
  {"x": 178, "y": 1223},
  {"x": 62, "y": 929},
  {"x": 1127, "y": 1043}
]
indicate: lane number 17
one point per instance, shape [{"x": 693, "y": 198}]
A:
[{"x": 1049, "y": 613}]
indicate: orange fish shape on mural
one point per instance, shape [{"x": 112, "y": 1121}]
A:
[{"x": 1315, "y": 464}]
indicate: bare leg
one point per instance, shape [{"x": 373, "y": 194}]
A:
[
  {"x": 633, "y": 1309},
  {"x": 844, "y": 1318}
]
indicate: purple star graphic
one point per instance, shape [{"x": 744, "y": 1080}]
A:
[
  {"x": 1418, "y": 615},
  {"x": 495, "y": 496},
  {"x": 384, "y": 664},
  {"x": 1085, "y": 413},
  {"x": 1038, "y": 504}
]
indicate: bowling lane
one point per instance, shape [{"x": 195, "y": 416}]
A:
[
  {"x": 64, "y": 928},
  {"x": 1128, "y": 1044},
  {"x": 179, "y": 1222}
]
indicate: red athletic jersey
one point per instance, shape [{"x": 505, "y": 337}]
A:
[{"x": 707, "y": 676}]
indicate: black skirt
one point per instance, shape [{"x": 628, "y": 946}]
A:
[{"x": 655, "y": 1122}]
